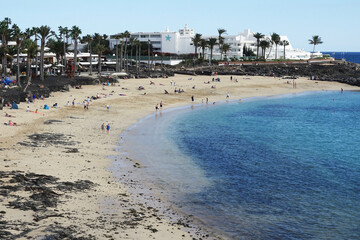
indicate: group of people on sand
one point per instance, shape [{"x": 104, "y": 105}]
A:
[
  {"x": 235, "y": 79},
  {"x": 159, "y": 106},
  {"x": 10, "y": 123},
  {"x": 107, "y": 127},
  {"x": 179, "y": 90}
]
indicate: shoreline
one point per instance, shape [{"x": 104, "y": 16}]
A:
[
  {"x": 104, "y": 209},
  {"x": 133, "y": 163}
]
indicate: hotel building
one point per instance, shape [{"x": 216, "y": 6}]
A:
[{"x": 180, "y": 43}]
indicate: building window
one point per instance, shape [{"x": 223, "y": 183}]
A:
[
  {"x": 155, "y": 36},
  {"x": 144, "y": 36}
]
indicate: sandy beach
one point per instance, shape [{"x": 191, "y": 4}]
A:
[{"x": 54, "y": 165}]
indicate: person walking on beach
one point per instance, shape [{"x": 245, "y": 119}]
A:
[
  {"x": 73, "y": 102},
  {"x": 103, "y": 127},
  {"x": 161, "y": 104},
  {"x": 192, "y": 98},
  {"x": 157, "y": 107},
  {"x": 108, "y": 128},
  {"x": 227, "y": 95},
  {"x": 108, "y": 107}
]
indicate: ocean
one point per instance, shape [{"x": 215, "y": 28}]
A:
[
  {"x": 348, "y": 56},
  {"x": 285, "y": 167}
]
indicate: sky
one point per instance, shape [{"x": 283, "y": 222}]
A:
[{"x": 335, "y": 21}]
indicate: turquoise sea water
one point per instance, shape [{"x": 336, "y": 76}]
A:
[{"x": 279, "y": 168}]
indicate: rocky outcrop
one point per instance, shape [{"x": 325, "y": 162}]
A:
[
  {"x": 44, "y": 88},
  {"x": 348, "y": 73}
]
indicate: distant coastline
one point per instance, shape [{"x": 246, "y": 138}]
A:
[{"x": 353, "y": 57}]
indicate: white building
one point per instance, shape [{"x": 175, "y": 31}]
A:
[
  {"x": 180, "y": 42},
  {"x": 246, "y": 38},
  {"x": 164, "y": 42}
]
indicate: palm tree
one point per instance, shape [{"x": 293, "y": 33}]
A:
[
  {"x": 122, "y": 35},
  {"x": 132, "y": 42},
  {"x": 4, "y": 50},
  {"x": 43, "y": 33},
  {"x": 275, "y": 38},
  {"x": 31, "y": 50},
  {"x": 28, "y": 33},
  {"x": 258, "y": 36},
  {"x": 5, "y": 32},
  {"x": 196, "y": 41},
  {"x": 75, "y": 32},
  {"x": 99, "y": 48},
  {"x": 221, "y": 40},
  {"x": 284, "y": 43},
  {"x": 88, "y": 39},
  {"x": 56, "y": 46},
  {"x": 35, "y": 31},
  {"x": 64, "y": 33},
  {"x": 225, "y": 48},
  {"x": 316, "y": 40},
  {"x": 117, "y": 37},
  {"x": 19, "y": 37},
  {"x": 211, "y": 43},
  {"x": 137, "y": 44},
  {"x": 203, "y": 44},
  {"x": 126, "y": 36},
  {"x": 264, "y": 44},
  {"x": 97, "y": 37}
]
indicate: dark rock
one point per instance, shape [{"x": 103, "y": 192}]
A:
[
  {"x": 51, "y": 121},
  {"x": 46, "y": 139},
  {"x": 348, "y": 73},
  {"x": 72, "y": 150}
]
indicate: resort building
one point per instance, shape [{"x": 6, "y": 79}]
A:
[
  {"x": 180, "y": 42},
  {"x": 164, "y": 42}
]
